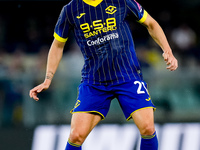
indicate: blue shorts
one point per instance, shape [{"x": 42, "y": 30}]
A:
[{"x": 132, "y": 96}]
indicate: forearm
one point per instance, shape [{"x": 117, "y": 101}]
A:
[
  {"x": 54, "y": 57},
  {"x": 159, "y": 37}
]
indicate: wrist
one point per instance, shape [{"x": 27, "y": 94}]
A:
[
  {"x": 49, "y": 75},
  {"x": 167, "y": 50},
  {"x": 47, "y": 82}
]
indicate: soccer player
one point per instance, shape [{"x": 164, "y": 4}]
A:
[{"x": 111, "y": 68}]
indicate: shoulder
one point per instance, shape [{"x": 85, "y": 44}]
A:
[
  {"x": 66, "y": 10},
  {"x": 71, "y": 6},
  {"x": 134, "y": 3},
  {"x": 71, "y": 3}
]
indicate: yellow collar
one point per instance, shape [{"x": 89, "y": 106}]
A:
[{"x": 93, "y": 3}]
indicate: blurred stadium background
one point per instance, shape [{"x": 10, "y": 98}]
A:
[{"x": 26, "y": 29}]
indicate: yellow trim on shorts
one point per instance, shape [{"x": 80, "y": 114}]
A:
[
  {"x": 73, "y": 144},
  {"x": 139, "y": 109},
  {"x": 60, "y": 39},
  {"x": 103, "y": 117},
  {"x": 144, "y": 17}
]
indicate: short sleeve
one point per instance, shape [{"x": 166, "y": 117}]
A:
[
  {"x": 62, "y": 27},
  {"x": 135, "y": 8}
]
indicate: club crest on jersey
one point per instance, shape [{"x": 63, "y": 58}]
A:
[{"x": 111, "y": 9}]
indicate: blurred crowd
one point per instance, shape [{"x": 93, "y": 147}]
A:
[{"x": 25, "y": 42}]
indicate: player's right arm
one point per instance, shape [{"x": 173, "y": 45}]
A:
[
  {"x": 54, "y": 57},
  {"x": 61, "y": 32}
]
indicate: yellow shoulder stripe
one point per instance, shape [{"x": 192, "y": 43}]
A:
[
  {"x": 144, "y": 17},
  {"x": 60, "y": 39}
]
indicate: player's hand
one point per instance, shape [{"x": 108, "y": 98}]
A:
[
  {"x": 171, "y": 61},
  {"x": 34, "y": 92}
]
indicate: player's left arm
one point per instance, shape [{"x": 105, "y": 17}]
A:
[{"x": 159, "y": 37}]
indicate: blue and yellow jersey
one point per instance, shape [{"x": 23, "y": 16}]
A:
[{"x": 103, "y": 35}]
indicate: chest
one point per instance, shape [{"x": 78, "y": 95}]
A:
[{"x": 105, "y": 17}]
